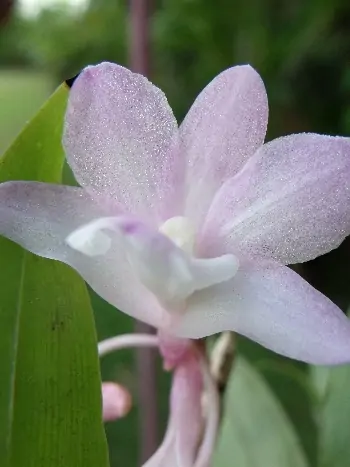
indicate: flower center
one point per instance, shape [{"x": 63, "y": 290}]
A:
[{"x": 162, "y": 260}]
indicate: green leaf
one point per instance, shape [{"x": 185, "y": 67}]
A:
[
  {"x": 255, "y": 429},
  {"x": 289, "y": 381},
  {"x": 332, "y": 385},
  {"x": 50, "y": 401},
  {"x": 37, "y": 154},
  {"x": 333, "y": 414}
]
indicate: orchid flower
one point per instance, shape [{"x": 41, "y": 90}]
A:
[
  {"x": 190, "y": 437},
  {"x": 190, "y": 228}
]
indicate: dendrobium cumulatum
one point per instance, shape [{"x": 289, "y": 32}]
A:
[{"x": 189, "y": 229}]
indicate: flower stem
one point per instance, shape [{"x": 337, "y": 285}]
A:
[{"x": 127, "y": 341}]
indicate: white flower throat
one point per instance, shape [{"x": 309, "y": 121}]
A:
[{"x": 162, "y": 260}]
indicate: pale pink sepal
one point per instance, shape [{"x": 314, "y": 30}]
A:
[
  {"x": 180, "y": 444},
  {"x": 41, "y": 217},
  {"x": 120, "y": 137},
  {"x": 223, "y": 128},
  {"x": 291, "y": 202},
  {"x": 274, "y": 306},
  {"x": 186, "y": 408}
]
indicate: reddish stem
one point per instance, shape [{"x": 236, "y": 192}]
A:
[{"x": 146, "y": 358}]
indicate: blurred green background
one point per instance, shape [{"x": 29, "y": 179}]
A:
[{"x": 302, "y": 51}]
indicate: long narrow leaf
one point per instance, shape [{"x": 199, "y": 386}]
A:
[{"x": 50, "y": 403}]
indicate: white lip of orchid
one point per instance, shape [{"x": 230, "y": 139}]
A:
[
  {"x": 89, "y": 239},
  {"x": 163, "y": 261}
]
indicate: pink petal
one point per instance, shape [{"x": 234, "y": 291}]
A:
[
  {"x": 275, "y": 307},
  {"x": 180, "y": 444},
  {"x": 166, "y": 453},
  {"x": 120, "y": 137},
  {"x": 186, "y": 409},
  {"x": 291, "y": 202},
  {"x": 39, "y": 217},
  {"x": 116, "y": 401},
  {"x": 224, "y": 127}
]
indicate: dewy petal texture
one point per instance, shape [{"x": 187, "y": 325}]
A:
[
  {"x": 39, "y": 217},
  {"x": 291, "y": 202},
  {"x": 224, "y": 127},
  {"x": 121, "y": 139},
  {"x": 275, "y": 307}
]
